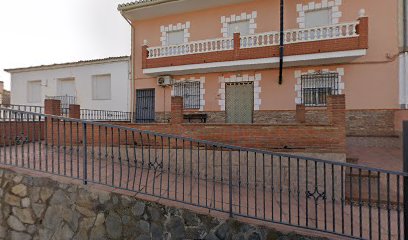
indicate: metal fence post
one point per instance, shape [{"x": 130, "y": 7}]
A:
[
  {"x": 405, "y": 156},
  {"x": 230, "y": 183},
  {"x": 84, "y": 135}
]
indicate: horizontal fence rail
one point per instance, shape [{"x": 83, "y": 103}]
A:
[
  {"x": 105, "y": 115},
  {"x": 333, "y": 197}
]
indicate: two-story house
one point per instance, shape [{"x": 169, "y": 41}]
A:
[{"x": 223, "y": 58}]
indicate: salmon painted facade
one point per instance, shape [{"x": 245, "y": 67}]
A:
[{"x": 222, "y": 57}]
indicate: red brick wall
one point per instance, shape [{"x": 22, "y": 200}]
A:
[
  {"x": 291, "y": 137},
  {"x": 12, "y": 131},
  {"x": 52, "y": 107},
  {"x": 75, "y": 111},
  {"x": 343, "y": 44}
]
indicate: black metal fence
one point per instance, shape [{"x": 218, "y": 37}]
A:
[
  {"x": 105, "y": 115},
  {"x": 334, "y": 197}
]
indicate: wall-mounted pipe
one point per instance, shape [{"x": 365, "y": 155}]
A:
[
  {"x": 132, "y": 78},
  {"x": 404, "y": 25},
  {"x": 281, "y": 46}
]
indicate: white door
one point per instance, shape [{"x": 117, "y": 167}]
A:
[{"x": 66, "y": 87}]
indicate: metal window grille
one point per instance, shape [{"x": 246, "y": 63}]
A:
[
  {"x": 190, "y": 91},
  {"x": 315, "y": 87}
]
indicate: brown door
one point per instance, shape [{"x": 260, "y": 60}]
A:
[{"x": 239, "y": 102}]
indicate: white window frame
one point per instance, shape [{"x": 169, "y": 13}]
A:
[
  {"x": 94, "y": 91},
  {"x": 173, "y": 28},
  {"x": 226, "y": 20},
  {"x": 332, "y": 5},
  {"x": 29, "y": 91}
]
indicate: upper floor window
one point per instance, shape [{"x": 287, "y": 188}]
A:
[
  {"x": 175, "y": 37},
  {"x": 319, "y": 13},
  {"x": 245, "y": 24},
  {"x": 315, "y": 87},
  {"x": 101, "y": 87},
  {"x": 241, "y": 27},
  {"x": 317, "y": 18},
  {"x": 34, "y": 91},
  {"x": 66, "y": 87},
  {"x": 190, "y": 91},
  {"x": 175, "y": 34}
]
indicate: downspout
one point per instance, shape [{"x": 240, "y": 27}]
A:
[
  {"x": 132, "y": 63},
  {"x": 281, "y": 46},
  {"x": 403, "y": 58},
  {"x": 404, "y": 25}
]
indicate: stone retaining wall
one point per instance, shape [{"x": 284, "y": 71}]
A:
[{"x": 40, "y": 208}]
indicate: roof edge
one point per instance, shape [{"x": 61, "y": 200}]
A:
[
  {"x": 140, "y": 4},
  {"x": 68, "y": 64}
]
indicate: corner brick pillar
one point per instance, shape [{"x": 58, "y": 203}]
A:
[
  {"x": 362, "y": 31},
  {"x": 176, "y": 110},
  {"x": 300, "y": 113},
  {"x": 145, "y": 55},
  {"x": 75, "y": 111},
  {"x": 237, "y": 45},
  {"x": 336, "y": 110},
  {"x": 52, "y": 107}
]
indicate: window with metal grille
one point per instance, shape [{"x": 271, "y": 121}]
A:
[
  {"x": 190, "y": 91},
  {"x": 317, "y": 86}
]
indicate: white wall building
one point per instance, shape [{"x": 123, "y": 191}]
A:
[{"x": 102, "y": 84}]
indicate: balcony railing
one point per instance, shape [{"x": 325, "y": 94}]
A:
[
  {"x": 204, "y": 46},
  {"x": 350, "y": 38},
  {"x": 343, "y": 30}
]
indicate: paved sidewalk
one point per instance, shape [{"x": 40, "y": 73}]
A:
[{"x": 384, "y": 153}]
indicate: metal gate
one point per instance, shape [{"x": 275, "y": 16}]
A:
[
  {"x": 145, "y": 100},
  {"x": 239, "y": 102}
]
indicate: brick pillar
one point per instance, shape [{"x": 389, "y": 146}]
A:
[
  {"x": 362, "y": 30},
  {"x": 237, "y": 44},
  {"x": 52, "y": 107},
  {"x": 300, "y": 113},
  {"x": 176, "y": 110},
  {"x": 145, "y": 55},
  {"x": 336, "y": 110},
  {"x": 75, "y": 111}
]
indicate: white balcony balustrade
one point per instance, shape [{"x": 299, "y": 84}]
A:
[
  {"x": 204, "y": 46},
  {"x": 343, "y": 30}
]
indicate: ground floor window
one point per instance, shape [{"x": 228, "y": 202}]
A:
[
  {"x": 190, "y": 91},
  {"x": 317, "y": 86}
]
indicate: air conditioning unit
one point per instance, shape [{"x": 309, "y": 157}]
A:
[{"x": 164, "y": 81}]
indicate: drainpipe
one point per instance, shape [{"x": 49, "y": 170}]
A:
[
  {"x": 132, "y": 62},
  {"x": 403, "y": 58},
  {"x": 281, "y": 46},
  {"x": 404, "y": 24}
]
